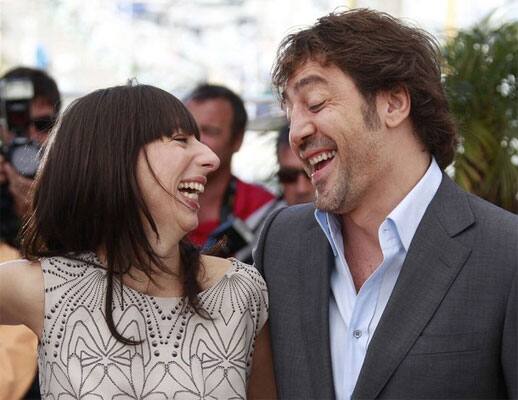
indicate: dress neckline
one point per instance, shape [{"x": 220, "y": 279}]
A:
[{"x": 91, "y": 258}]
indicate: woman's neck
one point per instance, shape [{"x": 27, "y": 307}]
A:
[{"x": 167, "y": 280}]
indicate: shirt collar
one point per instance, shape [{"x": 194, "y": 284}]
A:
[
  {"x": 330, "y": 225},
  {"x": 408, "y": 213},
  {"x": 406, "y": 216}
]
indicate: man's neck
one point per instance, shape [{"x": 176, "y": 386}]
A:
[
  {"x": 384, "y": 195},
  {"x": 212, "y": 198},
  {"x": 360, "y": 226}
]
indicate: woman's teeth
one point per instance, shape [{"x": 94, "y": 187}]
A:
[{"x": 191, "y": 190}]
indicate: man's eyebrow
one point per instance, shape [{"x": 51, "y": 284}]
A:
[
  {"x": 309, "y": 80},
  {"x": 306, "y": 81}
]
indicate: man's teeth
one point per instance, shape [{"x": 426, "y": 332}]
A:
[{"x": 321, "y": 157}]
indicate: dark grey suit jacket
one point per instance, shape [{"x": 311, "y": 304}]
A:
[{"x": 449, "y": 329}]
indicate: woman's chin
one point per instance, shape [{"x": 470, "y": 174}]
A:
[{"x": 189, "y": 227}]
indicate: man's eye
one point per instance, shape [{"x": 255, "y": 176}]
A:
[{"x": 316, "y": 107}]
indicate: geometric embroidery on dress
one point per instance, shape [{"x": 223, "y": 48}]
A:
[{"x": 182, "y": 355}]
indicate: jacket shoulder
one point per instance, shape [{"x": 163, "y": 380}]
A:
[
  {"x": 301, "y": 215},
  {"x": 493, "y": 216},
  {"x": 282, "y": 230}
]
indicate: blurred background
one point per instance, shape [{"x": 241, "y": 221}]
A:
[{"x": 176, "y": 44}]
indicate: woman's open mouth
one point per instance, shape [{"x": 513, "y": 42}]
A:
[{"x": 190, "y": 191}]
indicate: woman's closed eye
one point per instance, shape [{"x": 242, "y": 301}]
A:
[{"x": 180, "y": 138}]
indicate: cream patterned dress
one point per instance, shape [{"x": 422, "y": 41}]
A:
[{"x": 182, "y": 355}]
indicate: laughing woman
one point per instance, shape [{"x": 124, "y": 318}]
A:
[{"x": 123, "y": 305}]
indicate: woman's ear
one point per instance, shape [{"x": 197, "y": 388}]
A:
[{"x": 394, "y": 106}]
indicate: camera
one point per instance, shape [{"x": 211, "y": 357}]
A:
[
  {"x": 15, "y": 101},
  {"x": 17, "y": 148},
  {"x": 231, "y": 236}
]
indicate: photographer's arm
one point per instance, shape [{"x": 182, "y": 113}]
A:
[
  {"x": 3, "y": 175},
  {"x": 19, "y": 187},
  {"x": 22, "y": 295}
]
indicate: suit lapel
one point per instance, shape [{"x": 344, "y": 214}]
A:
[
  {"x": 433, "y": 261},
  {"x": 316, "y": 264}
]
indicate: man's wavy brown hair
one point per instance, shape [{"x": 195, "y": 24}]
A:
[{"x": 379, "y": 53}]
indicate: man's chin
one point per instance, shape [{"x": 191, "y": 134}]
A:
[
  {"x": 329, "y": 203},
  {"x": 323, "y": 204}
]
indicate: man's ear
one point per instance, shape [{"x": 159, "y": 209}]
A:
[
  {"x": 237, "y": 142},
  {"x": 394, "y": 106}
]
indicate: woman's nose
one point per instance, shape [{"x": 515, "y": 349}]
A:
[{"x": 209, "y": 159}]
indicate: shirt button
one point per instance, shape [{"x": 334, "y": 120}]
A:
[{"x": 357, "y": 333}]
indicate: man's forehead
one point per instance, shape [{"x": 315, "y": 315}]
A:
[{"x": 308, "y": 75}]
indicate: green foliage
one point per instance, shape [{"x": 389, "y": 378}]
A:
[{"x": 482, "y": 86}]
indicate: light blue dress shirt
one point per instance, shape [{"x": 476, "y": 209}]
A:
[{"x": 353, "y": 317}]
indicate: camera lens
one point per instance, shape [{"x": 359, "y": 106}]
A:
[{"x": 25, "y": 159}]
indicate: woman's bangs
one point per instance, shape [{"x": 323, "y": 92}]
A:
[
  {"x": 184, "y": 121},
  {"x": 173, "y": 116}
]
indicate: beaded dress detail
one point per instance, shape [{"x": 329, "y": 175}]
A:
[{"x": 182, "y": 354}]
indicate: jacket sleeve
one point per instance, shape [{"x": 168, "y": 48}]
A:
[{"x": 510, "y": 342}]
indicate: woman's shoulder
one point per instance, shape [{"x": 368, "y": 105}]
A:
[
  {"x": 217, "y": 269},
  {"x": 79, "y": 259},
  {"x": 19, "y": 262},
  {"x": 70, "y": 266},
  {"x": 14, "y": 270},
  {"x": 21, "y": 293},
  {"x": 234, "y": 287}
]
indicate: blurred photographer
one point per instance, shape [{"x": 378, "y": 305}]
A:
[
  {"x": 29, "y": 104},
  {"x": 231, "y": 209}
]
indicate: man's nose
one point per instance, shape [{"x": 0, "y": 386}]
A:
[{"x": 301, "y": 127}]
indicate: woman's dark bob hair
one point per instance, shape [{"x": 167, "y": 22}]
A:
[
  {"x": 379, "y": 53},
  {"x": 86, "y": 195}
]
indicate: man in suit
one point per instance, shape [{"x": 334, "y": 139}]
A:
[{"x": 398, "y": 284}]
